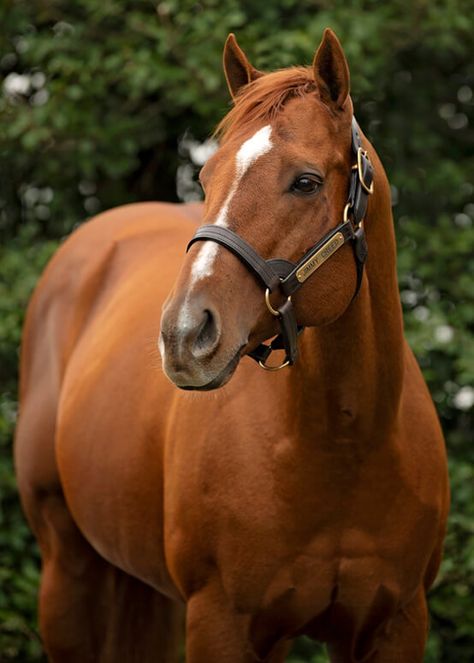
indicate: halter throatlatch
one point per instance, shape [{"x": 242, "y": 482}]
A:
[{"x": 285, "y": 276}]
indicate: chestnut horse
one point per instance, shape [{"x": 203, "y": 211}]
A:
[{"x": 312, "y": 500}]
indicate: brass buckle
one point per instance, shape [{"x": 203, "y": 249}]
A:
[
  {"x": 272, "y": 310},
  {"x": 363, "y": 153}
]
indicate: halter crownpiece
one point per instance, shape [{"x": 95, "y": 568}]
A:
[{"x": 279, "y": 274}]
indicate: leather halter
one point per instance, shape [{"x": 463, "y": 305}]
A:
[{"x": 288, "y": 277}]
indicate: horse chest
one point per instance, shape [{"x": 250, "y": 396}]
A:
[
  {"x": 271, "y": 568},
  {"x": 318, "y": 593},
  {"x": 280, "y": 527},
  {"x": 307, "y": 582}
]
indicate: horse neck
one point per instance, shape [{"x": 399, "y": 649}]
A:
[{"x": 351, "y": 372}]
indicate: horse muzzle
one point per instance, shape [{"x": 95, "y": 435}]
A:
[{"x": 191, "y": 347}]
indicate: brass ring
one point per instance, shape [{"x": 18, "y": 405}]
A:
[
  {"x": 346, "y": 212},
  {"x": 272, "y": 310},
  {"x": 273, "y": 368}
]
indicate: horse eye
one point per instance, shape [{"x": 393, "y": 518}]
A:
[{"x": 306, "y": 184}]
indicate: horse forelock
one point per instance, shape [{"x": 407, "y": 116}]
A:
[{"x": 263, "y": 98}]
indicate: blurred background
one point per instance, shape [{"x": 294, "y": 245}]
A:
[{"x": 104, "y": 102}]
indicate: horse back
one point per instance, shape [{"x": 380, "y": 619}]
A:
[{"x": 76, "y": 278}]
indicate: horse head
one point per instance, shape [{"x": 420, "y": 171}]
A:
[{"x": 280, "y": 181}]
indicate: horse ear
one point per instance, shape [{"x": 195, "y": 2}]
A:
[
  {"x": 238, "y": 70},
  {"x": 331, "y": 71}
]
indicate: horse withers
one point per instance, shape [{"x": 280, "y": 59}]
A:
[{"x": 309, "y": 500}]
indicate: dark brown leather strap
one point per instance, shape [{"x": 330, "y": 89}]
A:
[
  {"x": 240, "y": 248},
  {"x": 289, "y": 330}
]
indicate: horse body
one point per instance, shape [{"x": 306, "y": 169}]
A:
[{"x": 307, "y": 501}]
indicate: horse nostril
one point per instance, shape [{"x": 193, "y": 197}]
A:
[{"x": 207, "y": 335}]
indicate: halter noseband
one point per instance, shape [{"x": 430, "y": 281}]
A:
[{"x": 282, "y": 274}]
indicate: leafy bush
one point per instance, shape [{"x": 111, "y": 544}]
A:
[
  {"x": 96, "y": 97},
  {"x": 20, "y": 264}
]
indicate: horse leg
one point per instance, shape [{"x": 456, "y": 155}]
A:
[
  {"x": 71, "y": 589},
  {"x": 89, "y": 609},
  {"x": 216, "y": 633},
  {"x": 213, "y": 632},
  {"x": 402, "y": 641},
  {"x": 406, "y": 636},
  {"x": 145, "y": 627}
]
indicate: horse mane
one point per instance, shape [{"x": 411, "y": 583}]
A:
[{"x": 264, "y": 97}]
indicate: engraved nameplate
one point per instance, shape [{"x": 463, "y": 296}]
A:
[{"x": 325, "y": 252}]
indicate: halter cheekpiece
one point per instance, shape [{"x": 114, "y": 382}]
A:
[{"x": 280, "y": 274}]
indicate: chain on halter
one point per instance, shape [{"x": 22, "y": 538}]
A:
[{"x": 285, "y": 276}]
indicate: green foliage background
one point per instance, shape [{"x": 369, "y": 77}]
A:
[{"x": 96, "y": 95}]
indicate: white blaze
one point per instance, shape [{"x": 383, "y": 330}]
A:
[
  {"x": 253, "y": 148},
  {"x": 256, "y": 146}
]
